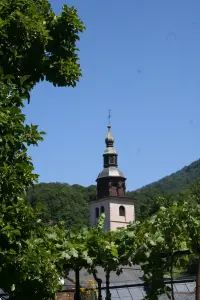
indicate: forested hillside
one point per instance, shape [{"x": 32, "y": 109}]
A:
[
  {"x": 177, "y": 181},
  {"x": 60, "y": 201},
  {"x": 175, "y": 185}
]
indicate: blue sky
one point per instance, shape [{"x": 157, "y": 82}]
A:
[{"x": 141, "y": 59}]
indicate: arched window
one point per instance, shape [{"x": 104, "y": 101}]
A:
[
  {"x": 122, "y": 211},
  {"x": 102, "y": 210},
  {"x": 97, "y": 212}
]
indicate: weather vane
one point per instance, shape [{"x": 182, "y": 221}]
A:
[{"x": 109, "y": 116}]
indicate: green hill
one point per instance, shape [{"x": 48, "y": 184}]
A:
[
  {"x": 60, "y": 201},
  {"x": 173, "y": 186},
  {"x": 177, "y": 181}
]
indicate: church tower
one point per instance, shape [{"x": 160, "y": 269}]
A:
[{"x": 111, "y": 192}]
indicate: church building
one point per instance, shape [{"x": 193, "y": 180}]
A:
[{"x": 111, "y": 192}]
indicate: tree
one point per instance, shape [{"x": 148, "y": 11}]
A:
[
  {"x": 104, "y": 252},
  {"x": 27, "y": 255},
  {"x": 195, "y": 191},
  {"x": 35, "y": 44},
  {"x": 153, "y": 243},
  {"x": 75, "y": 255},
  {"x": 60, "y": 202}
]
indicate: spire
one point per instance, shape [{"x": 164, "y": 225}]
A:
[
  {"x": 109, "y": 116},
  {"x": 110, "y": 181},
  {"x": 109, "y": 140},
  {"x": 110, "y": 154}
]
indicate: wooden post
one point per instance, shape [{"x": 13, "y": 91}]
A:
[
  {"x": 99, "y": 282},
  {"x": 171, "y": 278},
  {"x": 77, "y": 277},
  {"x": 108, "y": 294}
]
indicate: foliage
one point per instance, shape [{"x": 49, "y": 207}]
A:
[
  {"x": 152, "y": 204},
  {"x": 102, "y": 248},
  {"x": 35, "y": 44},
  {"x": 62, "y": 202},
  {"x": 76, "y": 254},
  {"x": 15, "y": 165},
  {"x": 153, "y": 243},
  {"x": 180, "y": 180},
  {"x": 58, "y": 199},
  {"x": 28, "y": 265},
  {"x": 195, "y": 191},
  {"x": 104, "y": 252},
  {"x": 88, "y": 295},
  {"x": 173, "y": 186}
]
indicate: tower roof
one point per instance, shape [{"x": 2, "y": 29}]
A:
[
  {"x": 111, "y": 172},
  {"x": 109, "y": 140},
  {"x": 109, "y": 137},
  {"x": 110, "y": 181},
  {"x": 110, "y": 158}
]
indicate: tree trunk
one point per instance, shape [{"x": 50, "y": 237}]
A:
[
  {"x": 77, "y": 277},
  {"x": 171, "y": 277},
  {"x": 108, "y": 294},
  {"x": 198, "y": 282},
  {"x": 99, "y": 282}
]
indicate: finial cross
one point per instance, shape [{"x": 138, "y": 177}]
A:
[{"x": 109, "y": 116}]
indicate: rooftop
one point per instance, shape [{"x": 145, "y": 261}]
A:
[{"x": 184, "y": 289}]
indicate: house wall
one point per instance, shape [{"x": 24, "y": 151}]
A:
[
  {"x": 117, "y": 221},
  {"x": 113, "y": 219},
  {"x": 99, "y": 204}
]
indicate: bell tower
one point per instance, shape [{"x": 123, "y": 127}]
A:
[
  {"x": 111, "y": 181},
  {"x": 111, "y": 191}
]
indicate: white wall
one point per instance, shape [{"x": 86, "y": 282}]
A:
[
  {"x": 99, "y": 204},
  {"x": 117, "y": 221},
  {"x": 111, "y": 207}
]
